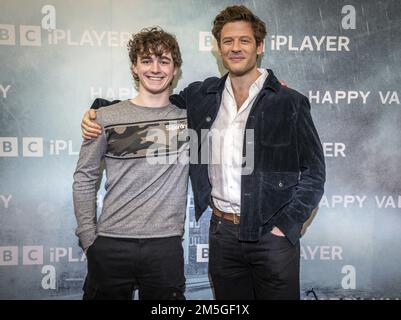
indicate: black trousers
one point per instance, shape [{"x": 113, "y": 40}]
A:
[
  {"x": 116, "y": 266},
  {"x": 265, "y": 270}
]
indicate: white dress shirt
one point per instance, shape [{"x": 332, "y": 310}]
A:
[{"x": 226, "y": 143}]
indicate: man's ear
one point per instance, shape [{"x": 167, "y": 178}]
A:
[
  {"x": 260, "y": 48},
  {"x": 218, "y": 50},
  {"x": 134, "y": 69},
  {"x": 218, "y": 47}
]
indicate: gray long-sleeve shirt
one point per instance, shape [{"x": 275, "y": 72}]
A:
[{"x": 146, "y": 161}]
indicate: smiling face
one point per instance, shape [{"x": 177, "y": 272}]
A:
[
  {"x": 238, "y": 48},
  {"x": 155, "y": 72},
  {"x": 155, "y": 59}
]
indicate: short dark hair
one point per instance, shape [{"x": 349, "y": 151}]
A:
[
  {"x": 153, "y": 40},
  {"x": 239, "y": 13}
]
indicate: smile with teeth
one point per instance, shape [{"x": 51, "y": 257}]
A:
[{"x": 155, "y": 78}]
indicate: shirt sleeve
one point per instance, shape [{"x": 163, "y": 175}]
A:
[{"x": 86, "y": 178}]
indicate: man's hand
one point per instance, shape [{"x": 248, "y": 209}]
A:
[
  {"x": 89, "y": 128},
  {"x": 283, "y": 83},
  {"x": 277, "y": 232}
]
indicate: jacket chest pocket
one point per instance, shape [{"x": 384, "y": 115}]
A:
[
  {"x": 279, "y": 181},
  {"x": 277, "y": 129}
]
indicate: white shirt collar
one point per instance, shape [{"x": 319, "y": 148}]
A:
[
  {"x": 258, "y": 84},
  {"x": 253, "y": 89}
]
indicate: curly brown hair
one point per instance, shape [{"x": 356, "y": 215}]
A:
[
  {"x": 239, "y": 13},
  {"x": 153, "y": 41}
]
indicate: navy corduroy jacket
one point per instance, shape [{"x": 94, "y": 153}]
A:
[{"x": 286, "y": 180}]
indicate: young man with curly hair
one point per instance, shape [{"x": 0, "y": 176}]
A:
[{"x": 137, "y": 240}]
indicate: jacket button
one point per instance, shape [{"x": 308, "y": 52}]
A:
[
  {"x": 281, "y": 184},
  {"x": 208, "y": 119}
]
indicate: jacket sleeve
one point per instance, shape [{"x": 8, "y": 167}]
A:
[
  {"x": 310, "y": 187},
  {"x": 183, "y": 99},
  {"x": 180, "y": 100},
  {"x": 99, "y": 102},
  {"x": 86, "y": 177}
]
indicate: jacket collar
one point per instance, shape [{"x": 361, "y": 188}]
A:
[
  {"x": 218, "y": 86},
  {"x": 271, "y": 83}
]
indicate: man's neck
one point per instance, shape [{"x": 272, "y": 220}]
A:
[
  {"x": 241, "y": 85},
  {"x": 151, "y": 100}
]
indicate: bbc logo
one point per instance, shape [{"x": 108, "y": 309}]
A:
[
  {"x": 207, "y": 41},
  {"x": 34, "y": 147},
  {"x": 28, "y": 35},
  {"x": 31, "y": 147},
  {"x": 31, "y": 255},
  {"x": 202, "y": 253}
]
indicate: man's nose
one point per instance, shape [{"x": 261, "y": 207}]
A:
[
  {"x": 155, "y": 67},
  {"x": 236, "y": 47}
]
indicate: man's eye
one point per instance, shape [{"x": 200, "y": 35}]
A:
[
  {"x": 165, "y": 62},
  {"x": 145, "y": 61}
]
